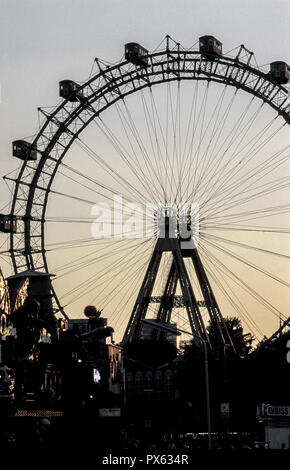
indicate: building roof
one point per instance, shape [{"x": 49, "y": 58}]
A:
[{"x": 29, "y": 273}]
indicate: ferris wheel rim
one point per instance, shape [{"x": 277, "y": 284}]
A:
[{"x": 139, "y": 78}]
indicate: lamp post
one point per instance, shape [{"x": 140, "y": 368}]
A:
[{"x": 178, "y": 332}]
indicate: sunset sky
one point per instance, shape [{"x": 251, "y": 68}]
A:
[{"x": 44, "y": 42}]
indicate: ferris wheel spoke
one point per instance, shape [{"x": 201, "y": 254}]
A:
[
  {"x": 245, "y": 261},
  {"x": 131, "y": 161},
  {"x": 252, "y": 192},
  {"x": 99, "y": 184},
  {"x": 75, "y": 243},
  {"x": 163, "y": 140},
  {"x": 103, "y": 195},
  {"x": 245, "y": 245},
  {"x": 246, "y": 216},
  {"x": 97, "y": 286},
  {"x": 231, "y": 295},
  {"x": 253, "y": 176},
  {"x": 154, "y": 145},
  {"x": 201, "y": 132},
  {"x": 119, "y": 311},
  {"x": 153, "y": 174},
  {"x": 131, "y": 295},
  {"x": 171, "y": 145},
  {"x": 191, "y": 156},
  {"x": 216, "y": 155},
  {"x": 115, "y": 290},
  {"x": 83, "y": 263},
  {"x": 213, "y": 124},
  {"x": 105, "y": 253},
  {"x": 188, "y": 144},
  {"x": 209, "y": 177},
  {"x": 243, "y": 284},
  {"x": 217, "y": 127},
  {"x": 75, "y": 198},
  {"x": 112, "y": 251},
  {"x": 228, "y": 149},
  {"x": 109, "y": 224},
  {"x": 104, "y": 285},
  {"x": 243, "y": 160},
  {"x": 246, "y": 228},
  {"x": 92, "y": 279},
  {"x": 258, "y": 173},
  {"x": 111, "y": 171},
  {"x": 232, "y": 198},
  {"x": 187, "y": 153}
]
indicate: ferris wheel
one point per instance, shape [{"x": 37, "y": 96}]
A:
[{"x": 170, "y": 128}]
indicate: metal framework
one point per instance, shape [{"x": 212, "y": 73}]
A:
[
  {"x": 177, "y": 273},
  {"x": 65, "y": 123}
]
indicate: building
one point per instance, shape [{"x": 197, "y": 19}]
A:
[
  {"x": 147, "y": 331},
  {"x": 38, "y": 286},
  {"x": 275, "y": 420}
]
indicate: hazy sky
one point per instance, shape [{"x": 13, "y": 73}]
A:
[{"x": 43, "y": 42}]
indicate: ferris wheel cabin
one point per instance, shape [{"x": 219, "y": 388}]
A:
[
  {"x": 210, "y": 46},
  {"x": 70, "y": 91},
  {"x": 136, "y": 54},
  {"x": 280, "y": 72},
  {"x": 8, "y": 224},
  {"x": 23, "y": 150}
]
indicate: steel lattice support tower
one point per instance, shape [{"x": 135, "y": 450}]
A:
[{"x": 177, "y": 273}]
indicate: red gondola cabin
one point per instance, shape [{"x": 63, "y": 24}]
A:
[
  {"x": 135, "y": 53},
  {"x": 280, "y": 72},
  {"x": 23, "y": 150},
  {"x": 5, "y": 224},
  {"x": 70, "y": 91},
  {"x": 210, "y": 46}
]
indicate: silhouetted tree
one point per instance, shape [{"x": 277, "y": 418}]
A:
[{"x": 241, "y": 341}]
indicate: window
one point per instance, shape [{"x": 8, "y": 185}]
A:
[
  {"x": 168, "y": 385},
  {"x": 158, "y": 384},
  {"x": 139, "y": 384}
]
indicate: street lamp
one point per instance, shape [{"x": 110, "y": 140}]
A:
[{"x": 178, "y": 332}]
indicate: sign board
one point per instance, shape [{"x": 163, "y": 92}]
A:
[
  {"x": 225, "y": 410},
  {"x": 275, "y": 410},
  {"x": 110, "y": 412},
  {"x": 96, "y": 376}
]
